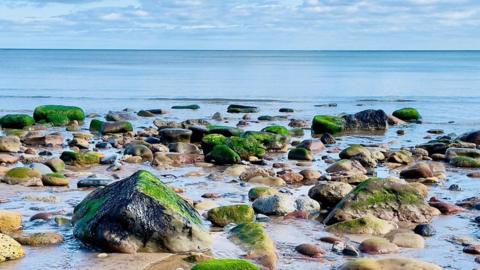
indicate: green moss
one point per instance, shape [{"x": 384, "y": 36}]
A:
[
  {"x": 209, "y": 141},
  {"x": 257, "y": 192},
  {"x": 364, "y": 225},
  {"x": 353, "y": 150},
  {"x": 253, "y": 236},
  {"x": 225, "y": 264},
  {"x": 245, "y": 147},
  {"x": 56, "y": 175},
  {"x": 55, "y": 112},
  {"x": 224, "y": 215},
  {"x": 300, "y": 154},
  {"x": 327, "y": 124},
  {"x": 87, "y": 210},
  {"x": 276, "y": 129},
  {"x": 101, "y": 127},
  {"x": 265, "y": 138},
  {"x": 222, "y": 155},
  {"x": 58, "y": 120},
  {"x": 80, "y": 159},
  {"x": 151, "y": 186},
  {"x": 186, "y": 107},
  {"x": 16, "y": 121},
  {"x": 407, "y": 114},
  {"x": 15, "y": 132},
  {"x": 224, "y": 130},
  {"x": 296, "y": 132},
  {"x": 465, "y": 162},
  {"x": 23, "y": 173}
]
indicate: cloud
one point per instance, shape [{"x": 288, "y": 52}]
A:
[{"x": 111, "y": 16}]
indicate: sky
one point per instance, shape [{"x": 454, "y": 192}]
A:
[{"x": 241, "y": 24}]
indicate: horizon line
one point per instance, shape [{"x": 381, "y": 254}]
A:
[{"x": 246, "y": 50}]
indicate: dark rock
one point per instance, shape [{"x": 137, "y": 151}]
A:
[
  {"x": 93, "y": 182},
  {"x": 425, "y": 230},
  {"x": 235, "y": 108},
  {"x": 310, "y": 250},
  {"x": 172, "y": 135},
  {"x": 327, "y": 138}
]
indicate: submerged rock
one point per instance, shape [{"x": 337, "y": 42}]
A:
[
  {"x": 139, "y": 213},
  {"x": 186, "y": 107},
  {"x": 10, "y": 249},
  {"x": 378, "y": 245},
  {"x": 388, "y": 199},
  {"x": 253, "y": 238}
]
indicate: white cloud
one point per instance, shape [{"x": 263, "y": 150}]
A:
[{"x": 111, "y": 16}]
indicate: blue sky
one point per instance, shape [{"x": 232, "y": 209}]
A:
[{"x": 240, "y": 24}]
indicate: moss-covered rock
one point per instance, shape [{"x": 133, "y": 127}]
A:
[
  {"x": 225, "y": 215},
  {"x": 277, "y": 130},
  {"x": 224, "y": 130},
  {"x": 270, "y": 141},
  {"x": 235, "y": 108},
  {"x": 186, "y": 107},
  {"x": 407, "y": 114},
  {"x": 327, "y": 124},
  {"x": 225, "y": 264},
  {"x": 55, "y": 179},
  {"x": 139, "y": 214},
  {"x": 139, "y": 150},
  {"x": 102, "y": 127},
  {"x": 296, "y": 132},
  {"x": 39, "y": 239},
  {"x": 245, "y": 147},
  {"x": 364, "y": 225},
  {"x": 353, "y": 150},
  {"x": 257, "y": 192},
  {"x": 223, "y": 155},
  {"x": 23, "y": 176},
  {"x": 253, "y": 238},
  {"x": 81, "y": 158},
  {"x": 10, "y": 221},
  {"x": 300, "y": 154},
  {"x": 402, "y": 157},
  {"x": 465, "y": 162},
  {"x": 16, "y": 121},
  {"x": 388, "y": 263},
  {"x": 58, "y": 115},
  {"x": 10, "y": 249},
  {"x": 390, "y": 199},
  {"x": 56, "y": 164},
  {"x": 209, "y": 141}
]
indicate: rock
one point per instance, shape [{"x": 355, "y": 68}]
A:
[
  {"x": 276, "y": 129},
  {"x": 143, "y": 113},
  {"x": 217, "y": 116},
  {"x": 402, "y": 157},
  {"x": 418, "y": 171},
  {"x": 81, "y": 158},
  {"x": 471, "y": 137},
  {"x": 10, "y": 221},
  {"x": 286, "y": 110},
  {"x": 186, "y": 107},
  {"x": 58, "y": 115},
  {"x": 453, "y": 152},
  {"x": 23, "y": 176},
  {"x": 8, "y": 158},
  {"x": 225, "y": 215},
  {"x": 406, "y": 239},
  {"x": 329, "y": 194},
  {"x": 225, "y": 264},
  {"x": 465, "y": 162},
  {"x": 444, "y": 207},
  {"x": 39, "y": 239},
  {"x": 345, "y": 170},
  {"x": 472, "y": 249},
  {"x": 310, "y": 250},
  {"x": 327, "y": 138},
  {"x": 367, "y": 224},
  {"x": 56, "y": 164},
  {"x": 267, "y": 180},
  {"x": 387, "y": 199},
  {"x": 10, "y": 144},
  {"x": 224, "y": 130},
  {"x": 394, "y": 121},
  {"x": 246, "y": 147},
  {"x": 43, "y": 169},
  {"x": 258, "y": 192},
  {"x": 222, "y": 154},
  {"x": 139, "y": 213},
  {"x": 298, "y": 123},
  {"x": 290, "y": 177},
  {"x": 158, "y": 111},
  {"x": 101, "y": 127},
  {"x": 80, "y": 143},
  {"x": 425, "y": 230},
  {"x": 305, "y": 204},
  {"x": 253, "y": 238},
  {"x": 378, "y": 245},
  {"x": 388, "y": 263},
  {"x": 9, "y": 249},
  {"x": 368, "y": 120},
  {"x": 184, "y": 148},
  {"x": 119, "y": 116},
  {"x": 94, "y": 182},
  {"x": 235, "y": 108},
  {"x": 327, "y": 124},
  {"x": 407, "y": 114},
  {"x": 54, "y": 179},
  {"x": 310, "y": 175},
  {"x": 174, "y": 135},
  {"x": 312, "y": 145},
  {"x": 278, "y": 204},
  {"x": 16, "y": 121},
  {"x": 360, "y": 153},
  {"x": 256, "y": 171},
  {"x": 300, "y": 154},
  {"x": 139, "y": 150},
  {"x": 474, "y": 175}
]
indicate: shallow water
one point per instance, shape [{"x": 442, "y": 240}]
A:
[{"x": 100, "y": 81}]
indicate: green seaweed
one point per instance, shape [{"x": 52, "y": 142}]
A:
[
  {"x": 224, "y": 215},
  {"x": 465, "y": 162},
  {"x": 257, "y": 192},
  {"x": 53, "y": 112},
  {"x": 16, "y": 121},
  {"x": 225, "y": 264},
  {"x": 22, "y": 173},
  {"x": 407, "y": 114},
  {"x": 327, "y": 124},
  {"x": 80, "y": 158},
  {"x": 222, "y": 154},
  {"x": 277, "y": 129},
  {"x": 300, "y": 154},
  {"x": 245, "y": 147}
]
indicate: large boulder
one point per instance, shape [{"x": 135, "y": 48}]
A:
[
  {"x": 17, "y": 121},
  {"x": 471, "y": 137},
  {"x": 139, "y": 213},
  {"x": 58, "y": 115},
  {"x": 270, "y": 141},
  {"x": 254, "y": 239},
  {"x": 10, "y": 144},
  {"x": 407, "y": 114},
  {"x": 368, "y": 120},
  {"x": 388, "y": 199}
]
